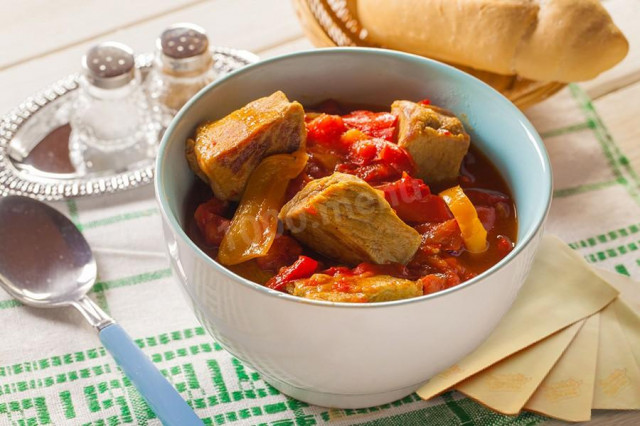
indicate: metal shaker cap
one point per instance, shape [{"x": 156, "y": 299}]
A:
[
  {"x": 109, "y": 65},
  {"x": 184, "y": 49}
]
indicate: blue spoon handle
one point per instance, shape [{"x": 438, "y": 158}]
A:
[{"x": 164, "y": 400}]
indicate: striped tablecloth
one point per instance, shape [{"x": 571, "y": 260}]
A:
[{"x": 54, "y": 371}]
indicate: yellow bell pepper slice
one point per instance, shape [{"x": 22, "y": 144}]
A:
[
  {"x": 473, "y": 233},
  {"x": 251, "y": 271},
  {"x": 255, "y": 222}
]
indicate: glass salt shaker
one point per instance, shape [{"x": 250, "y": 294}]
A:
[
  {"x": 112, "y": 126},
  {"x": 183, "y": 65}
]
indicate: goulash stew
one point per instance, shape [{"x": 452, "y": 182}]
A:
[{"x": 345, "y": 204}]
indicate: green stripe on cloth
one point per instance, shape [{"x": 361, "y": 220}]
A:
[
  {"x": 123, "y": 217},
  {"x": 55, "y": 379},
  {"x": 118, "y": 218},
  {"x": 565, "y": 192},
  {"x": 619, "y": 162},
  {"x": 458, "y": 410},
  {"x": 445, "y": 415},
  {"x": 610, "y": 253},
  {"x": 78, "y": 357},
  {"x": 621, "y": 269},
  {"x": 607, "y": 236},
  {"x": 101, "y": 286},
  {"x": 73, "y": 212},
  {"x": 568, "y": 129},
  {"x": 67, "y": 405},
  {"x": 5, "y": 304},
  {"x": 133, "y": 280}
]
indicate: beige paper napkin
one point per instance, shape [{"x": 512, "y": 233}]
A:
[
  {"x": 505, "y": 387},
  {"x": 628, "y": 309},
  {"x": 567, "y": 391},
  {"x": 561, "y": 290},
  {"x": 629, "y": 321},
  {"x": 628, "y": 288},
  {"x": 617, "y": 384}
]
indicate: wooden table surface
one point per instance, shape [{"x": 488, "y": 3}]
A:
[{"x": 42, "y": 41}]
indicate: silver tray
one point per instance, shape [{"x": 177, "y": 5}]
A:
[{"x": 34, "y": 142}]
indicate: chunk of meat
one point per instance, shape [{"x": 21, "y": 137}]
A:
[
  {"x": 355, "y": 289},
  {"x": 342, "y": 217},
  {"x": 434, "y": 137},
  {"x": 225, "y": 152}
]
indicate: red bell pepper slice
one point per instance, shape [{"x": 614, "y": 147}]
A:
[
  {"x": 326, "y": 130},
  {"x": 304, "y": 267},
  {"x": 413, "y": 201},
  {"x": 211, "y": 222},
  {"x": 375, "y": 124}
]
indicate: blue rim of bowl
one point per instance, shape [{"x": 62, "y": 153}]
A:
[{"x": 490, "y": 92}]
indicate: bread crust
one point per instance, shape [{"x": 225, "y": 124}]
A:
[{"x": 545, "y": 40}]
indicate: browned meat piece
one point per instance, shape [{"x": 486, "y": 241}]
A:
[
  {"x": 378, "y": 288},
  {"x": 434, "y": 137},
  {"x": 342, "y": 217},
  {"x": 225, "y": 152}
]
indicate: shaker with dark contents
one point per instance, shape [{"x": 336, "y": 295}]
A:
[
  {"x": 183, "y": 65},
  {"x": 111, "y": 122}
]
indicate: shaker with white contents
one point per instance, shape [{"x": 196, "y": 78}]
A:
[{"x": 111, "y": 123}]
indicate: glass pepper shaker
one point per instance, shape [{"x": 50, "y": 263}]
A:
[
  {"x": 112, "y": 126},
  {"x": 183, "y": 66}
]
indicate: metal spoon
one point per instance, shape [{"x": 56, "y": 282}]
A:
[{"x": 45, "y": 262}]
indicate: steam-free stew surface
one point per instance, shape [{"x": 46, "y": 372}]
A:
[{"x": 440, "y": 255}]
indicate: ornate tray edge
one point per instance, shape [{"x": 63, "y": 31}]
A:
[{"x": 16, "y": 182}]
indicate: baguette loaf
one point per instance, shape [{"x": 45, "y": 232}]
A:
[{"x": 545, "y": 40}]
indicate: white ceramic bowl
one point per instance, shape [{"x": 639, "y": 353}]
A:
[{"x": 351, "y": 355}]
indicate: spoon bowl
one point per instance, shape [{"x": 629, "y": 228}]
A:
[{"x": 44, "y": 260}]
